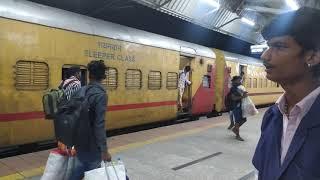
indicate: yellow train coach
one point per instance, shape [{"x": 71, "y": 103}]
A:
[{"x": 39, "y": 44}]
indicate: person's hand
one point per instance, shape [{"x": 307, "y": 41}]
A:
[{"x": 106, "y": 156}]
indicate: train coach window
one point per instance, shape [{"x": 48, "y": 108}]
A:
[
  {"x": 111, "y": 81},
  {"x": 265, "y": 83},
  {"x": 206, "y": 81},
  {"x": 261, "y": 83},
  {"x": 255, "y": 83},
  {"x": 154, "y": 80},
  {"x": 31, "y": 75},
  {"x": 83, "y": 70},
  {"x": 133, "y": 79},
  {"x": 249, "y": 83},
  {"x": 172, "y": 80}
]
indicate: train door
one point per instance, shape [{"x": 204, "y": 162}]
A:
[
  {"x": 243, "y": 73},
  {"x": 83, "y": 73},
  {"x": 187, "y": 95}
]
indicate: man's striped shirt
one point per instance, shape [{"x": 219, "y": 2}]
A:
[{"x": 71, "y": 86}]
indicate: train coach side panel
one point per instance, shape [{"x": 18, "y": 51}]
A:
[
  {"x": 261, "y": 90},
  {"x": 132, "y": 101},
  {"x": 25, "y": 52}
]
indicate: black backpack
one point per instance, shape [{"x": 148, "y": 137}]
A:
[{"x": 72, "y": 119}]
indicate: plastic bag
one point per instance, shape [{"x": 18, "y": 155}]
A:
[
  {"x": 108, "y": 171},
  {"x": 59, "y": 166},
  {"x": 248, "y": 108}
]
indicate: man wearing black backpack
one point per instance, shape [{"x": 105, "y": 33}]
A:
[{"x": 91, "y": 143}]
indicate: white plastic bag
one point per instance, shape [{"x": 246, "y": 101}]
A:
[
  {"x": 59, "y": 166},
  {"x": 109, "y": 171},
  {"x": 248, "y": 108}
]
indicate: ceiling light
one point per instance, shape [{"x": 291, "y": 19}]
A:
[
  {"x": 213, "y": 3},
  {"x": 293, "y": 4},
  {"x": 248, "y": 21}
]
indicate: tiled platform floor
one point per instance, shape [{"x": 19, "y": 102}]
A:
[{"x": 176, "y": 144}]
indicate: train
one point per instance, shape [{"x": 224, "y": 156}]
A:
[{"x": 40, "y": 43}]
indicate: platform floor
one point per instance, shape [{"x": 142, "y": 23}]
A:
[{"x": 196, "y": 150}]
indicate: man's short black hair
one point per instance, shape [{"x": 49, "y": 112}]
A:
[
  {"x": 303, "y": 25},
  {"x": 97, "y": 70},
  {"x": 73, "y": 70},
  {"x": 187, "y": 68},
  {"x": 234, "y": 78}
]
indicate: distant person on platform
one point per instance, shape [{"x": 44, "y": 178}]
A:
[
  {"x": 183, "y": 82},
  {"x": 289, "y": 147},
  {"x": 236, "y": 95}
]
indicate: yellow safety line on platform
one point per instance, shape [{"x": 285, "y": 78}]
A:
[{"x": 38, "y": 171}]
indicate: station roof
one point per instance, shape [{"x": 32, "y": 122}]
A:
[{"x": 225, "y": 16}]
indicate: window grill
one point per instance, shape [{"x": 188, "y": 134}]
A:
[
  {"x": 133, "y": 79},
  {"x": 111, "y": 81},
  {"x": 255, "y": 83},
  {"x": 249, "y": 83},
  {"x": 31, "y": 75},
  {"x": 154, "y": 80},
  {"x": 265, "y": 82},
  {"x": 172, "y": 80},
  {"x": 206, "y": 81}
]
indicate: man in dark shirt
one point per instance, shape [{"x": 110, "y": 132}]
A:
[
  {"x": 288, "y": 148},
  {"x": 236, "y": 96},
  {"x": 90, "y": 156}
]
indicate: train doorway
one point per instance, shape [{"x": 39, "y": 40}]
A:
[
  {"x": 187, "y": 94},
  {"x": 243, "y": 73},
  {"x": 83, "y": 73}
]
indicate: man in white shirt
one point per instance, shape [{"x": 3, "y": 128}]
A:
[{"x": 183, "y": 81}]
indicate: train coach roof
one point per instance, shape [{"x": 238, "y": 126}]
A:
[
  {"x": 44, "y": 15},
  {"x": 242, "y": 59}
]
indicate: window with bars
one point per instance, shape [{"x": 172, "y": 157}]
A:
[
  {"x": 154, "y": 80},
  {"x": 111, "y": 81},
  {"x": 255, "y": 83},
  {"x": 31, "y": 75},
  {"x": 133, "y": 79},
  {"x": 172, "y": 80},
  {"x": 261, "y": 83},
  {"x": 274, "y": 84},
  {"x": 249, "y": 83},
  {"x": 206, "y": 81},
  {"x": 265, "y": 82}
]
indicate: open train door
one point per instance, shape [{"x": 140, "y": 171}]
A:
[
  {"x": 187, "y": 95},
  {"x": 243, "y": 72}
]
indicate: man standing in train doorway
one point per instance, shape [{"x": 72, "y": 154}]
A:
[
  {"x": 289, "y": 147},
  {"x": 183, "y": 82}
]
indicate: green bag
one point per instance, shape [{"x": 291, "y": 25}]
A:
[
  {"x": 50, "y": 101},
  {"x": 52, "y": 98}
]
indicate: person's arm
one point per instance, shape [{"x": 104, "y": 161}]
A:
[
  {"x": 99, "y": 125},
  {"x": 187, "y": 78}
]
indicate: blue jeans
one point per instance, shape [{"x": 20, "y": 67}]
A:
[
  {"x": 231, "y": 117},
  {"x": 85, "y": 162},
  {"x": 237, "y": 114}
]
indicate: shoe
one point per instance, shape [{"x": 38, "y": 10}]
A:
[
  {"x": 239, "y": 138},
  {"x": 234, "y": 130},
  {"x": 230, "y": 127}
]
